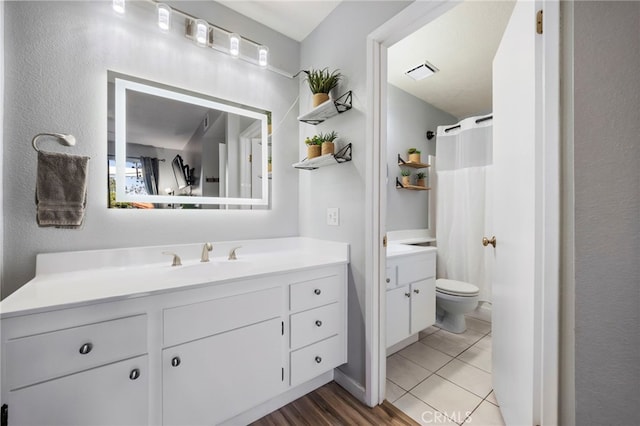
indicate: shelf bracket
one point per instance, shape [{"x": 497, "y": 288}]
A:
[
  {"x": 399, "y": 184},
  {"x": 400, "y": 160}
]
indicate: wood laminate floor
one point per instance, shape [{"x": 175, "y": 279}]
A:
[{"x": 332, "y": 405}]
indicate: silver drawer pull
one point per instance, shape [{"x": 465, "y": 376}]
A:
[
  {"x": 416, "y": 291},
  {"x": 318, "y": 359},
  {"x": 319, "y": 323},
  {"x": 388, "y": 280},
  {"x": 135, "y": 373},
  {"x": 317, "y": 291},
  {"x": 408, "y": 294},
  {"x": 86, "y": 348},
  {"x": 175, "y": 361}
]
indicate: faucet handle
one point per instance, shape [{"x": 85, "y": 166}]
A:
[
  {"x": 205, "y": 252},
  {"x": 176, "y": 258},
  {"x": 232, "y": 253}
]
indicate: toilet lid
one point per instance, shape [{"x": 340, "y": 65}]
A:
[{"x": 456, "y": 288}]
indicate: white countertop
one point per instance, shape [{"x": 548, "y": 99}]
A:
[
  {"x": 75, "y": 278},
  {"x": 397, "y": 250}
]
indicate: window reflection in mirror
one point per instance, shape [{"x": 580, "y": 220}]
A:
[{"x": 170, "y": 148}]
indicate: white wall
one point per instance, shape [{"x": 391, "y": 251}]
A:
[
  {"x": 340, "y": 42},
  {"x": 56, "y": 59},
  {"x": 607, "y": 206},
  {"x": 1, "y": 144},
  {"x": 408, "y": 119}
]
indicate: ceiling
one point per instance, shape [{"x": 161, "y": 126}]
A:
[
  {"x": 461, "y": 44},
  {"x": 295, "y": 19}
]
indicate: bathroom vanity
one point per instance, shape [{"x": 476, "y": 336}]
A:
[
  {"x": 115, "y": 337},
  {"x": 411, "y": 294}
]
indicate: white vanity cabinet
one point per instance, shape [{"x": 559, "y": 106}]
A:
[
  {"x": 411, "y": 298},
  {"x": 232, "y": 360},
  {"x": 208, "y": 352},
  {"x": 89, "y": 374}
]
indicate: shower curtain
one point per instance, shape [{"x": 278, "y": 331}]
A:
[{"x": 463, "y": 206}]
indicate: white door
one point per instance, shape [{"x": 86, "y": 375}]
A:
[
  {"x": 521, "y": 189},
  {"x": 398, "y": 306},
  {"x": 423, "y": 305},
  {"x": 210, "y": 380}
]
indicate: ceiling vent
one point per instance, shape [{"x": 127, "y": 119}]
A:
[{"x": 422, "y": 71}]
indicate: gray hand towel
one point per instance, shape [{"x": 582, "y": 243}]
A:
[{"x": 61, "y": 189}]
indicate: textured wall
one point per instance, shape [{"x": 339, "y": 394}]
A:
[
  {"x": 607, "y": 212},
  {"x": 408, "y": 119},
  {"x": 340, "y": 42},
  {"x": 56, "y": 59}
]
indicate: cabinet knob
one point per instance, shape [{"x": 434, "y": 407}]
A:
[
  {"x": 318, "y": 359},
  {"x": 317, "y": 291},
  {"x": 86, "y": 348},
  {"x": 388, "y": 280},
  {"x": 318, "y": 323},
  {"x": 175, "y": 361},
  {"x": 408, "y": 294},
  {"x": 135, "y": 373},
  {"x": 416, "y": 291}
]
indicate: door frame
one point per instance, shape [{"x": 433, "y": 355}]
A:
[{"x": 410, "y": 19}]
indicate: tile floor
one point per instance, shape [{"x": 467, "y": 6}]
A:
[{"x": 445, "y": 378}]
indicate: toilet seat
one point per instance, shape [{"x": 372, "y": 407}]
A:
[{"x": 456, "y": 288}]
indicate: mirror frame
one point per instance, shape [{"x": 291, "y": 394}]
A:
[{"x": 122, "y": 83}]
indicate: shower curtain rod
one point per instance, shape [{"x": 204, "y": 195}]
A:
[{"x": 479, "y": 120}]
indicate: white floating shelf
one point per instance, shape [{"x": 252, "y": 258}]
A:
[
  {"x": 327, "y": 110},
  {"x": 341, "y": 156}
]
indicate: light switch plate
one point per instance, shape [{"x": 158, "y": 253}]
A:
[{"x": 333, "y": 216}]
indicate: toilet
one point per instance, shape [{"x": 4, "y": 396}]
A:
[{"x": 453, "y": 300}]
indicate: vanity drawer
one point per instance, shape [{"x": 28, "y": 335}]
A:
[
  {"x": 416, "y": 268},
  {"x": 313, "y": 293},
  {"x": 309, "y": 362},
  {"x": 314, "y": 325},
  {"x": 46, "y": 356},
  {"x": 192, "y": 322}
]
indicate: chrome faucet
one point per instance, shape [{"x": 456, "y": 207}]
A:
[
  {"x": 205, "y": 252},
  {"x": 176, "y": 258}
]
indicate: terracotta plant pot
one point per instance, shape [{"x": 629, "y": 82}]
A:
[
  {"x": 406, "y": 180},
  {"x": 269, "y": 167},
  {"x": 319, "y": 98},
  {"x": 313, "y": 151},
  {"x": 420, "y": 182},
  {"x": 414, "y": 158},
  {"x": 327, "y": 148}
]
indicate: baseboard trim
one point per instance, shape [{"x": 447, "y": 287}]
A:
[
  {"x": 280, "y": 401},
  {"x": 350, "y": 385},
  {"x": 403, "y": 344}
]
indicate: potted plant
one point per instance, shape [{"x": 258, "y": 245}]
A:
[
  {"x": 414, "y": 155},
  {"x": 420, "y": 178},
  {"x": 406, "y": 176},
  {"x": 313, "y": 146},
  {"x": 327, "y": 142},
  {"x": 321, "y": 82},
  {"x": 269, "y": 164}
]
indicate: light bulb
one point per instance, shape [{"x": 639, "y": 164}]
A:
[
  {"x": 164, "y": 16},
  {"x": 234, "y": 44},
  {"x": 202, "y": 32},
  {"x": 263, "y": 56},
  {"x": 118, "y": 6}
]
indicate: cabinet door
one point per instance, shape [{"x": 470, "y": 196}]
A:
[
  {"x": 398, "y": 302},
  {"x": 116, "y": 394},
  {"x": 212, "y": 379},
  {"x": 423, "y": 304}
]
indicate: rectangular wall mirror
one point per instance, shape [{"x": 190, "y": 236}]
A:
[{"x": 172, "y": 148}]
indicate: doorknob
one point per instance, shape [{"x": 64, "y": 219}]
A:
[{"x": 486, "y": 241}]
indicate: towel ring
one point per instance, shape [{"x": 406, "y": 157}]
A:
[{"x": 63, "y": 139}]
